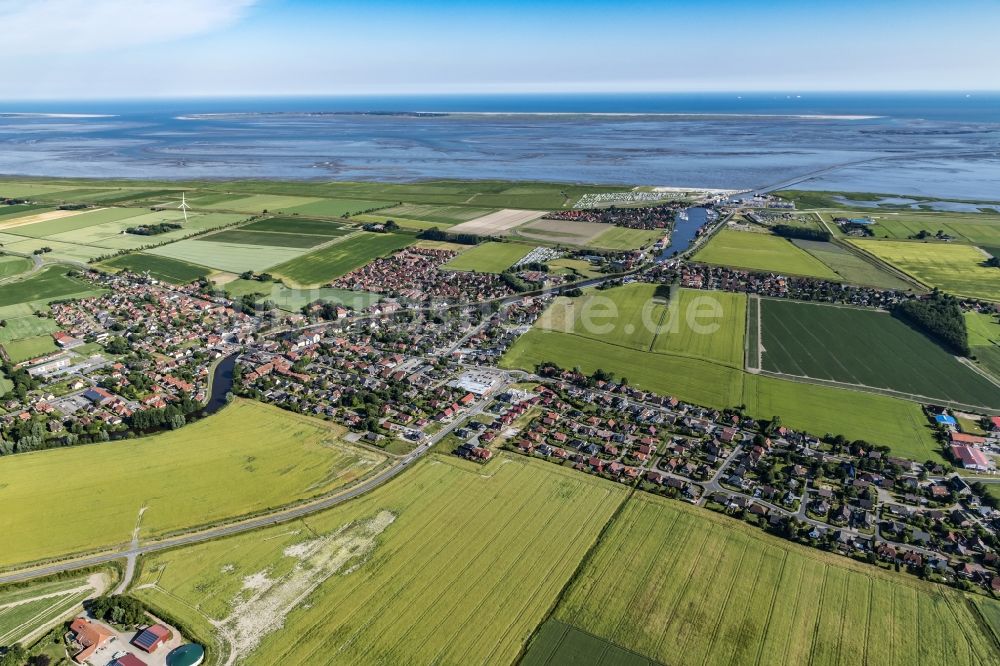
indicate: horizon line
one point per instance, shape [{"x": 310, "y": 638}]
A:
[{"x": 508, "y": 93}]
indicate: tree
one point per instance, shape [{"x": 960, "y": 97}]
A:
[
  {"x": 15, "y": 655},
  {"x": 118, "y": 608}
]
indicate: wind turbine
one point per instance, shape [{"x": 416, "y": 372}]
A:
[{"x": 184, "y": 205}]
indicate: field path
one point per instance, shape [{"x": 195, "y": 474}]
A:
[{"x": 133, "y": 555}]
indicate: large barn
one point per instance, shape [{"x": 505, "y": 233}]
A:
[{"x": 151, "y": 637}]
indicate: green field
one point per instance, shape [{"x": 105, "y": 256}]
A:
[
  {"x": 622, "y": 238},
  {"x": 299, "y": 225},
  {"x": 683, "y": 586},
  {"x": 77, "y": 221},
  {"x": 19, "y": 328},
  {"x": 439, "y": 215},
  {"x": 27, "y": 610},
  {"x": 410, "y": 573},
  {"x": 489, "y": 257},
  {"x": 975, "y": 228},
  {"x": 161, "y": 268},
  {"x": 820, "y": 410},
  {"x": 559, "y": 644},
  {"x": 955, "y": 268},
  {"x": 690, "y": 379},
  {"x": 868, "y": 348},
  {"x": 256, "y": 203},
  {"x": 852, "y": 268},
  {"x": 292, "y": 300},
  {"x": 706, "y": 368},
  {"x": 270, "y": 238},
  {"x": 11, "y": 266},
  {"x": 761, "y": 252},
  {"x": 984, "y": 339},
  {"x": 337, "y": 207},
  {"x": 342, "y": 257},
  {"x": 231, "y": 257},
  {"x": 700, "y": 324},
  {"x": 247, "y": 458},
  {"x": 19, "y": 210},
  {"x": 29, "y": 348},
  {"x": 49, "y": 284},
  {"x": 488, "y": 194}
]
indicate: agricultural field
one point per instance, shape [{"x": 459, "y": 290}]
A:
[
  {"x": 580, "y": 268},
  {"x": 70, "y": 221},
  {"x": 292, "y": 299},
  {"x": 244, "y": 236},
  {"x": 330, "y": 262},
  {"x": 899, "y": 424},
  {"x": 984, "y": 339},
  {"x": 682, "y": 585},
  {"x": 19, "y": 328},
  {"x": 24, "y": 349},
  {"x": 489, "y": 257},
  {"x": 28, "y": 190},
  {"x": 721, "y": 341},
  {"x": 974, "y": 228},
  {"x": 86, "y": 235},
  {"x": 26, "y": 611},
  {"x": 20, "y": 210},
  {"x": 254, "y": 203},
  {"x": 49, "y": 284},
  {"x": 670, "y": 366},
  {"x": 490, "y": 194},
  {"x": 621, "y": 238},
  {"x": 562, "y": 232},
  {"x": 957, "y": 269},
  {"x": 11, "y": 266},
  {"x": 299, "y": 225},
  {"x": 437, "y": 215},
  {"x": 559, "y": 644},
  {"x": 866, "y": 348},
  {"x": 231, "y": 257},
  {"x": 498, "y": 223},
  {"x": 337, "y": 207},
  {"x": 761, "y": 252},
  {"x": 640, "y": 317},
  {"x": 850, "y": 267},
  {"x": 693, "y": 380},
  {"x": 161, "y": 268},
  {"x": 409, "y": 573},
  {"x": 248, "y": 458}
]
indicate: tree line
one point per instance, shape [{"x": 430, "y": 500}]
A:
[{"x": 940, "y": 317}]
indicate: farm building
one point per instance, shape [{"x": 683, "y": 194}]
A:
[
  {"x": 971, "y": 440},
  {"x": 127, "y": 660},
  {"x": 186, "y": 655},
  {"x": 151, "y": 637},
  {"x": 89, "y": 637},
  {"x": 945, "y": 419},
  {"x": 970, "y": 457}
]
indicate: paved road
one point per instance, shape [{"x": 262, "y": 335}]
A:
[{"x": 135, "y": 549}]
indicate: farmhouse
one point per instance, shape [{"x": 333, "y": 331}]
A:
[{"x": 88, "y": 637}]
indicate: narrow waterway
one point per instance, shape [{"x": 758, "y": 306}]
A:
[{"x": 222, "y": 384}]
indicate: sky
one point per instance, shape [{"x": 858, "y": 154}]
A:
[{"x": 75, "y": 49}]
